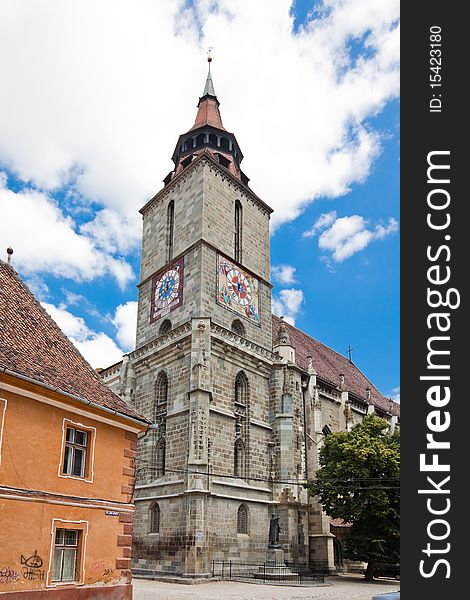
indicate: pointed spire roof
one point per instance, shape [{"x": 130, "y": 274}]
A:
[{"x": 208, "y": 106}]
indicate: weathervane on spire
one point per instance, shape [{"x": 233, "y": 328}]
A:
[{"x": 209, "y": 57}]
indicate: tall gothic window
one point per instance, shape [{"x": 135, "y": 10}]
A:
[
  {"x": 161, "y": 405},
  {"x": 170, "y": 228},
  {"x": 238, "y": 231},
  {"x": 241, "y": 388},
  {"x": 154, "y": 518},
  {"x": 239, "y": 458},
  {"x": 242, "y": 519}
]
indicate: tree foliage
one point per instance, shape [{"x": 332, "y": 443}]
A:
[{"x": 358, "y": 481}]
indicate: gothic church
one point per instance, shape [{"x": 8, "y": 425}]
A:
[{"x": 240, "y": 400}]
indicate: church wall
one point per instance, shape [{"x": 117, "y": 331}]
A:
[
  {"x": 186, "y": 194},
  {"x": 220, "y": 194}
]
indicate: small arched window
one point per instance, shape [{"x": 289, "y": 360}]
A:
[
  {"x": 242, "y": 519},
  {"x": 224, "y": 143},
  {"x": 154, "y": 518},
  {"x": 170, "y": 229},
  {"x": 238, "y": 231},
  {"x": 213, "y": 139},
  {"x": 238, "y": 328},
  {"x": 241, "y": 389},
  {"x": 239, "y": 459},
  {"x": 161, "y": 388},
  {"x": 201, "y": 138},
  {"x": 165, "y": 327}
]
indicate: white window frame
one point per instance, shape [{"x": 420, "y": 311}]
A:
[
  {"x": 90, "y": 450},
  {"x": 3, "y": 412},
  {"x": 63, "y": 524}
]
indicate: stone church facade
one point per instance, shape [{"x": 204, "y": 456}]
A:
[{"x": 240, "y": 401}]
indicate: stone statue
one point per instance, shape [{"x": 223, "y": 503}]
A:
[{"x": 274, "y": 530}]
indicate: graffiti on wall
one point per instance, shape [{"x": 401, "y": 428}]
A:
[
  {"x": 32, "y": 567},
  {"x": 7, "y": 575}
]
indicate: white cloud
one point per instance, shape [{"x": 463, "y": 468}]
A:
[
  {"x": 287, "y": 304},
  {"x": 97, "y": 348},
  {"x": 284, "y": 274},
  {"x": 349, "y": 235},
  {"x": 45, "y": 240},
  {"x": 395, "y": 394},
  {"x": 323, "y": 221},
  {"x": 125, "y": 321},
  {"x": 92, "y": 98}
]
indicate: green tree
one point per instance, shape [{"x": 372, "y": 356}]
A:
[{"x": 358, "y": 481}]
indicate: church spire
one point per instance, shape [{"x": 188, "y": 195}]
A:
[{"x": 208, "y": 135}]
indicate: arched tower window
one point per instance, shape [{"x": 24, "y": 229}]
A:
[
  {"x": 242, "y": 519},
  {"x": 161, "y": 390},
  {"x": 239, "y": 461},
  {"x": 238, "y": 328},
  {"x": 241, "y": 389},
  {"x": 170, "y": 228},
  {"x": 165, "y": 327},
  {"x": 154, "y": 517},
  {"x": 161, "y": 402},
  {"x": 238, "y": 231}
]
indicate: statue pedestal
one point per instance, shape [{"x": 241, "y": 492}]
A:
[
  {"x": 275, "y": 556},
  {"x": 275, "y": 568}
]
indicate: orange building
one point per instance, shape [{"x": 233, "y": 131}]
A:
[{"x": 67, "y": 450}]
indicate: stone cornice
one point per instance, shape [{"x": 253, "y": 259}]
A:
[
  {"x": 162, "y": 341},
  {"x": 180, "y": 178},
  {"x": 229, "y": 337}
]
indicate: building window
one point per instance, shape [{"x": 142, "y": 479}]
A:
[
  {"x": 165, "y": 327},
  {"x": 242, "y": 519},
  {"x": 326, "y": 430},
  {"x": 239, "y": 459},
  {"x": 75, "y": 455},
  {"x": 238, "y": 231},
  {"x": 66, "y": 558},
  {"x": 170, "y": 229},
  {"x": 154, "y": 518},
  {"x": 238, "y": 328},
  {"x": 241, "y": 389}
]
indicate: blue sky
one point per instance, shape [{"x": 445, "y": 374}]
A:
[{"x": 86, "y": 136}]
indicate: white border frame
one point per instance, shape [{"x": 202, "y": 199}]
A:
[
  {"x": 91, "y": 450},
  {"x": 55, "y": 584}
]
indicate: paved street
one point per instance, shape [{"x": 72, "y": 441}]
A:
[{"x": 335, "y": 588}]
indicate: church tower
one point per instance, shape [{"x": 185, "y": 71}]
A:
[{"x": 204, "y": 360}]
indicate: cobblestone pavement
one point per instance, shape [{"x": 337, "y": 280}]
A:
[{"x": 336, "y": 588}]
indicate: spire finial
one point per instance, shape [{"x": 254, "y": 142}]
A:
[{"x": 209, "y": 87}]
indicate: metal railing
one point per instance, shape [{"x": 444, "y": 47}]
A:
[{"x": 287, "y": 573}]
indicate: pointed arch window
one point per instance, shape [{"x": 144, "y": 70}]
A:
[
  {"x": 154, "y": 518},
  {"x": 161, "y": 391},
  {"x": 238, "y": 230},
  {"x": 170, "y": 228},
  {"x": 242, "y": 519},
  {"x": 239, "y": 459},
  {"x": 241, "y": 389}
]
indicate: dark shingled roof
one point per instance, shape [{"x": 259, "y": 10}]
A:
[
  {"x": 32, "y": 345},
  {"x": 329, "y": 364}
]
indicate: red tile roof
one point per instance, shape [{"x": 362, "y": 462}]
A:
[
  {"x": 32, "y": 345},
  {"x": 208, "y": 114},
  {"x": 329, "y": 364}
]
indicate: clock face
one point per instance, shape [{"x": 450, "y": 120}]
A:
[
  {"x": 238, "y": 287},
  {"x": 167, "y": 290},
  {"x": 237, "y": 290}
]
